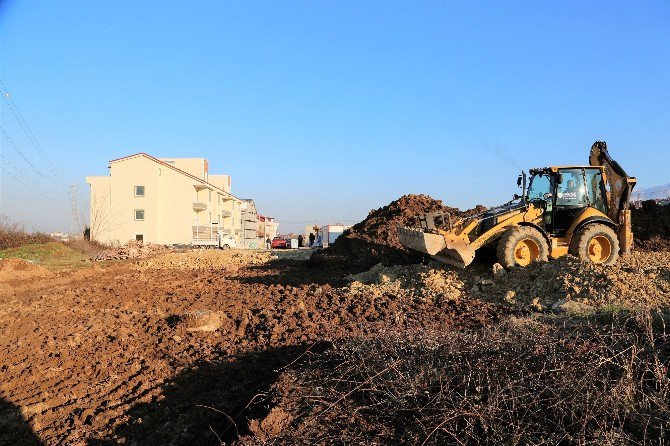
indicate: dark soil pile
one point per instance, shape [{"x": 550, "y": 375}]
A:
[
  {"x": 375, "y": 239},
  {"x": 651, "y": 226}
]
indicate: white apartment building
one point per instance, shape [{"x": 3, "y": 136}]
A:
[{"x": 164, "y": 201}]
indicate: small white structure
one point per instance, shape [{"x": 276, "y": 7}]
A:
[{"x": 329, "y": 233}]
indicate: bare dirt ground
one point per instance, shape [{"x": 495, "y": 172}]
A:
[
  {"x": 93, "y": 353},
  {"x": 356, "y": 346},
  {"x": 183, "y": 348}
]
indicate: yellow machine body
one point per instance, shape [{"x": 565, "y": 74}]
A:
[{"x": 456, "y": 241}]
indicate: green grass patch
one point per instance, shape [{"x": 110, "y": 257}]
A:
[{"x": 51, "y": 255}]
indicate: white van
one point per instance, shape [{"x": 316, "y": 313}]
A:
[{"x": 226, "y": 241}]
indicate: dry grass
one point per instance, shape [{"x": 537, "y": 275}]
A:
[
  {"x": 16, "y": 242},
  {"x": 14, "y": 234},
  {"x": 52, "y": 255},
  {"x": 517, "y": 383},
  {"x": 87, "y": 247}
]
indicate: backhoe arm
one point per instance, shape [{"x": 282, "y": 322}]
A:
[{"x": 619, "y": 191}]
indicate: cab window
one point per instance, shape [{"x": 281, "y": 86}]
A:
[
  {"x": 594, "y": 188},
  {"x": 571, "y": 190},
  {"x": 540, "y": 187}
]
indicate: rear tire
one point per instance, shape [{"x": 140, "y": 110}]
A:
[
  {"x": 596, "y": 243},
  {"x": 521, "y": 246}
]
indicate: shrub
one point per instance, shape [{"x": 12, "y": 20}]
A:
[{"x": 14, "y": 234}]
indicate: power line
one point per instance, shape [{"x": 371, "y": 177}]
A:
[
  {"x": 17, "y": 150},
  {"x": 21, "y": 182},
  {"x": 9, "y": 100},
  {"x": 18, "y": 170},
  {"x": 25, "y": 158},
  {"x": 18, "y": 176}
]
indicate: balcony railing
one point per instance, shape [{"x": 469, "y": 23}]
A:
[
  {"x": 204, "y": 234},
  {"x": 198, "y": 206}
]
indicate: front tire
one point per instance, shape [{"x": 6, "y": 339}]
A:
[
  {"x": 596, "y": 243},
  {"x": 225, "y": 247},
  {"x": 521, "y": 246}
]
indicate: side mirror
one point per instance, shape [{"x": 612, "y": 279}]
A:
[
  {"x": 560, "y": 178},
  {"x": 516, "y": 197},
  {"x": 519, "y": 180}
]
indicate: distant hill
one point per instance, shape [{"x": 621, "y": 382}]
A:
[{"x": 652, "y": 193}]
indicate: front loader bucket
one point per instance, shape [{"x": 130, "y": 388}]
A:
[
  {"x": 442, "y": 247},
  {"x": 418, "y": 240}
]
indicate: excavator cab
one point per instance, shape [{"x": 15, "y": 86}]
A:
[
  {"x": 565, "y": 193},
  {"x": 581, "y": 210}
]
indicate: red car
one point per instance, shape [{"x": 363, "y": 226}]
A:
[{"x": 278, "y": 243}]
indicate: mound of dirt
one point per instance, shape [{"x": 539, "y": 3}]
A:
[
  {"x": 651, "y": 226},
  {"x": 19, "y": 269},
  {"x": 207, "y": 259},
  {"x": 428, "y": 282},
  {"x": 567, "y": 284},
  {"x": 562, "y": 285},
  {"x": 131, "y": 250},
  {"x": 375, "y": 239}
]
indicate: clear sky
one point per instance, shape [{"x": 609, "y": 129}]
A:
[{"x": 325, "y": 110}]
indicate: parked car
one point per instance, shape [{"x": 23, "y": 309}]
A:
[{"x": 278, "y": 243}]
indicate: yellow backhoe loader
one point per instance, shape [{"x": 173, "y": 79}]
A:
[{"x": 581, "y": 210}]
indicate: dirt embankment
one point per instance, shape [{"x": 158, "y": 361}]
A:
[
  {"x": 206, "y": 259},
  {"x": 651, "y": 226},
  {"x": 641, "y": 280},
  {"x": 131, "y": 250},
  {"x": 375, "y": 239},
  {"x": 12, "y": 270}
]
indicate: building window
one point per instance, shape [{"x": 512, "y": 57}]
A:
[
  {"x": 139, "y": 191},
  {"x": 139, "y": 214},
  {"x": 139, "y": 238}
]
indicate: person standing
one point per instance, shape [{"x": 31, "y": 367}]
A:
[
  {"x": 311, "y": 239},
  {"x": 268, "y": 243}
]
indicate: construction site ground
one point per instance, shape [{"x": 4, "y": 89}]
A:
[{"x": 184, "y": 347}]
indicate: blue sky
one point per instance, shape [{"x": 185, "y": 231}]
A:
[{"x": 325, "y": 110}]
